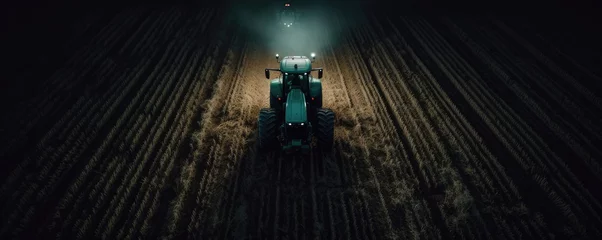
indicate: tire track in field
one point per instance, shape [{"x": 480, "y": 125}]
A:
[
  {"x": 581, "y": 141},
  {"x": 560, "y": 185},
  {"x": 99, "y": 123},
  {"x": 53, "y": 102},
  {"x": 568, "y": 182},
  {"x": 126, "y": 137},
  {"x": 156, "y": 111},
  {"x": 534, "y": 165},
  {"x": 552, "y": 66},
  {"x": 368, "y": 153},
  {"x": 73, "y": 147},
  {"x": 443, "y": 52},
  {"x": 88, "y": 215},
  {"x": 573, "y": 127},
  {"x": 55, "y": 94},
  {"x": 577, "y": 65},
  {"x": 159, "y": 187},
  {"x": 229, "y": 139},
  {"x": 194, "y": 168},
  {"x": 157, "y": 125},
  {"x": 385, "y": 158},
  {"x": 424, "y": 187},
  {"x": 568, "y": 50},
  {"x": 480, "y": 170}
]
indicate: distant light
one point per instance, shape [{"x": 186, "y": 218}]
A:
[
  {"x": 313, "y": 54},
  {"x": 288, "y": 26},
  {"x": 277, "y": 55},
  {"x": 290, "y": 124},
  {"x": 301, "y": 124},
  {"x": 284, "y": 23}
]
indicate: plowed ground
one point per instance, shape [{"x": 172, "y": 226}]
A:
[{"x": 446, "y": 128}]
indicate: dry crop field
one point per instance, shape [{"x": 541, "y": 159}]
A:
[{"x": 446, "y": 128}]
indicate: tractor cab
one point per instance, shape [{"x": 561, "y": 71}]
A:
[
  {"x": 296, "y": 81},
  {"x": 296, "y": 73}
]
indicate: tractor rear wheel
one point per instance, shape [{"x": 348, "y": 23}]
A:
[
  {"x": 325, "y": 128},
  {"x": 268, "y": 128}
]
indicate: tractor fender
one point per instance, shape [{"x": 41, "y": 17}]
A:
[
  {"x": 315, "y": 92},
  {"x": 275, "y": 93}
]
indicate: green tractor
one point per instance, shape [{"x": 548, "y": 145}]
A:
[{"x": 295, "y": 115}]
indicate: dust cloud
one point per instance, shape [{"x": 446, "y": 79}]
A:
[{"x": 259, "y": 19}]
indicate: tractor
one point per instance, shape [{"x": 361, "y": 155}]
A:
[
  {"x": 295, "y": 115},
  {"x": 288, "y": 16}
]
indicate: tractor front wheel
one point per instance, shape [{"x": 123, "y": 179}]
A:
[
  {"x": 268, "y": 128},
  {"x": 325, "y": 128}
]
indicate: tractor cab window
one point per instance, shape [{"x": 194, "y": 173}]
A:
[
  {"x": 297, "y": 81},
  {"x": 291, "y": 80},
  {"x": 300, "y": 81}
]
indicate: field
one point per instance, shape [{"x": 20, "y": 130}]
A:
[{"x": 446, "y": 128}]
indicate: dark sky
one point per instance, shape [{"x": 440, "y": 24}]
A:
[{"x": 35, "y": 28}]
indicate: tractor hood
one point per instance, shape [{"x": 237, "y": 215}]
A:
[{"x": 296, "y": 108}]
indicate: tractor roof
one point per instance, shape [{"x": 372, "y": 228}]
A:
[{"x": 295, "y": 64}]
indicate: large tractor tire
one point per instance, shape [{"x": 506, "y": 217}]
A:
[
  {"x": 268, "y": 128},
  {"x": 325, "y": 128}
]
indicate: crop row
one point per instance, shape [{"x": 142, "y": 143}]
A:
[{"x": 105, "y": 141}]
